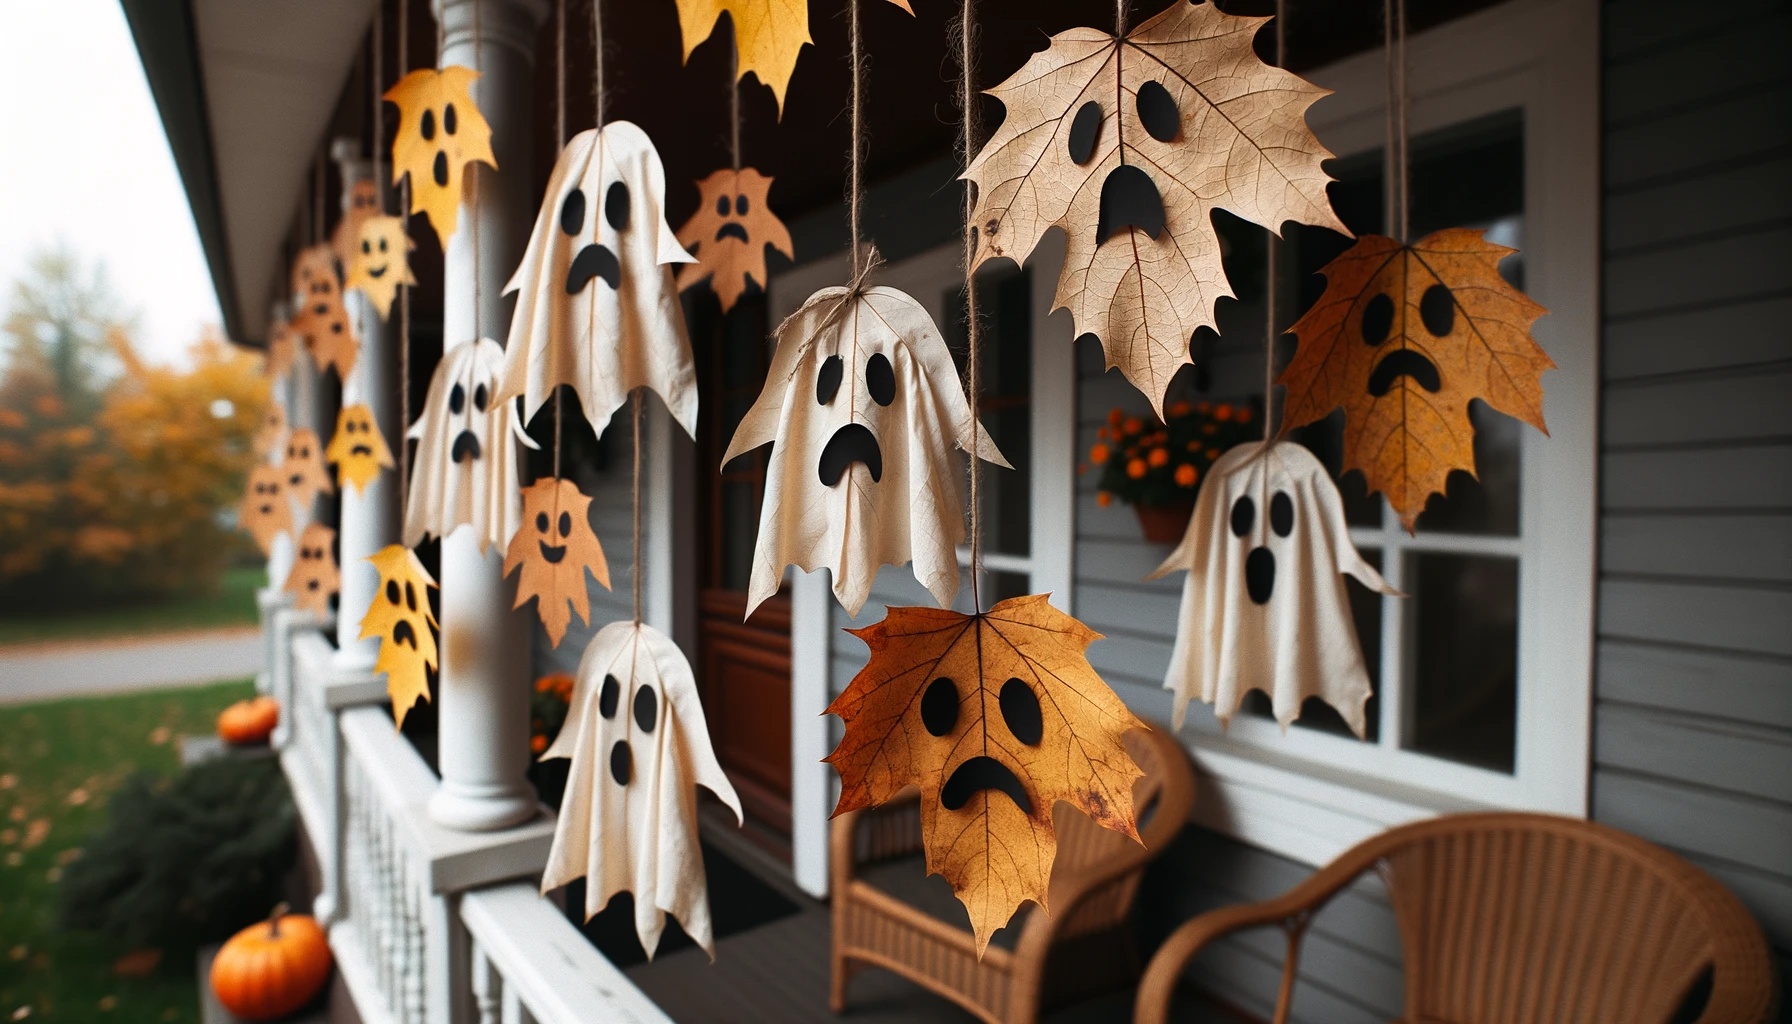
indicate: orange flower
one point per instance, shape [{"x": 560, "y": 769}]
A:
[
  {"x": 1114, "y": 417},
  {"x": 1244, "y": 414},
  {"x": 1134, "y": 425},
  {"x": 1098, "y": 454},
  {"x": 1180, "y": 409},
  {"x": 1186, "y": 475},
  {"x": 538, "y": 743},
  {"x": 1222, "y": 413},
  {"x": 1210, "y": 429},
  {"x": 1103, "y": 498},
  {"x": 1194, "y": 446},
  {"x": 1212, "y": 453},
  {"x": 1135, "y": 468},
  {"x": 1159, "y": 456},
  {"x": 1204, "y": 408},
  {"x": 1101, "y": 432}
]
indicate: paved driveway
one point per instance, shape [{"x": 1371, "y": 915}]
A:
[{"x": 73, "y": 668}]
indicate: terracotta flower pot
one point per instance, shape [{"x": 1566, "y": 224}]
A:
[{"x": 1164, "y": 524}]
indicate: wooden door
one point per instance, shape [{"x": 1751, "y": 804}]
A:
[{"x": 743, "y": 667}]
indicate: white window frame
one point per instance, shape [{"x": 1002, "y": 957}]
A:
[{"x": 1309, "y": 795}]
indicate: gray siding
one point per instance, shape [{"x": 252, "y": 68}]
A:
[{"x": 1693, "y": 722}]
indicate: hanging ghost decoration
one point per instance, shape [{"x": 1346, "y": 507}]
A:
[
  {"x": 1264, "y": 606},
  {"x": 363, "y": 202},
  {"x": 314, "y": 578},
  {"x": 282, "y": 345},
  {"x": 321, "y": 320},
  {"x": 358, "y": 449},
  {"x": 466, "y": 468},
  {"x": 639, "y": 748},
  {"x": 304, "y": 469},
  {"x": 729, "y": 232},
  {"x": 401, "y": 619},
  {"x": 554, "y": 548},
  {"x": 264, "y": 513},
  {"x": 381, "y": 262},
  {"x": 270, "y": 436},
  {"x": 865, "y": 406},
  {"x": 596, "y": 306},
  {"x": 439, "y": 132}
]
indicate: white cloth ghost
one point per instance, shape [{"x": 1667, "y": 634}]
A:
[
  {"x": 1264, "y": 606},
  {"x": 865, "y": 406},
  {"x": 466, "y": 468},
  {"x": 639, "y": 749},
  {"x": 596, "y": 305}
]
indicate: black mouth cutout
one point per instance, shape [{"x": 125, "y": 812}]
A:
[
  {"x": 551, "y": 554},
  {"x": 361, "y": 450},
  {"x": 593, "y": 261},
  {"x": 731, "y": 230},
  {"x": 851, "y": 443},
  {"x": 377, "y": 274},
  {"x": 312, "y": 584},
  {"x": 978, "y": 774},
  {"x": 267, "y": 510},
  {"x": 466, "y": 446},
  {"x": 403, "y": 633},
  {"x": 1404, "y": 362},
  {"x": 1129, "y": 199}
]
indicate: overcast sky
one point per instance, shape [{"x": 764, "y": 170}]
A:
[{"x": 83, "y": 160}]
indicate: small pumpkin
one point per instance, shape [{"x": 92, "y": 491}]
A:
[
  {"x": 271, "y": 969},
  {"x": 249, "y": 721}
]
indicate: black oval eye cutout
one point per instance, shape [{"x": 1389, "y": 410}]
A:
[
  {"x": 609, "y": 696},
  {"x": 565, "y": 524},
  {"x": 1378, "y": 319},
  {"x": 541, "y": 522},
  {"x": 1158, "y": 113},
  {"x": 1244, "y": 516},
  {"x": 740, "y": 205},
  {"x": 1437, "y": 310},
  {"x": 410, "y": 596},
  {"x": 1020, "y": 709},
  {"x": 366, "y": 250},
  {"x": 721, "y": 206},
  {"x": 616, "y": 206},
  {"x": 449, "y": 121},
  {"x": 621, "y": 764},
  {"x": 1085, "y": 132},
  {"x": 1281, "y": 514},
  {"x": 480, "y": 397},
  {"x": 880, "y": 379},
  {"x": 428, "y": 126},
  {"x": 647, "y": 709},
  {"x": 572, "y": 212},
  {"x": 439, "y": 169},
  {"x": 827, "y": 380},
  {"x": 392, "y": 595},
  {"x": 939, "y": 706},
  {"x": 382, "y": 245},
  {"x": 457, "y": 400}
]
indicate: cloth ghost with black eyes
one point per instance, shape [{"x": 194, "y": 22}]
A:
[
  {"x": 466, "y": 468},
  {"x": 640, "y": 748},
  {"x": 865, "y": 405},
  {"x": 596, "y": 305},
  {"x": 1264, "y": 606}
]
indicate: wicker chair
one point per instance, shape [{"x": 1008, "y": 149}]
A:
[
  {"x": 1093, "y": 883},
  {"x": 1522, "y": 919}
]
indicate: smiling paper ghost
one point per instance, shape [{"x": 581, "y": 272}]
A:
[
  {"x": 865, "y": 406},
  {"x": 596, "y": 306},
  {"x": 1264, "y": 606},
  {"x": 314, "y": 577},
  {"x": 639, "y": 748},
  {"x": 381, "y": 261},
  {"x": 466, "y": 468},
  {"x": 358, "y": 448},
  {"x": 264, "y": 512},
  {"x": 304, "y": 469}
]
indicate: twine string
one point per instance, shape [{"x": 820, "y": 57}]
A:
[
  {"x": 734, "y": 101},
  {"x": 635, "y": 429},
  {"x": 1120, "y": 19},
  {"x": 597, "y": 60},
  {"x": 559, "y": 144},
  {"x": 973, "y": 332},
  {"x": 1398, "y": 163},
  {"x": 856, "y": 194},
  {"x": 473, "y": 205},
  {"x": 1270, "y": 335}
]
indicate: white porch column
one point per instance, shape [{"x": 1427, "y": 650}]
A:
[
  {"x": 369, "y": 518},
  {"x": 484, "y": 693}
]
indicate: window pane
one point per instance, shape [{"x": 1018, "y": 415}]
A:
[
  {"x": 1004, "y": 302},
  {"x": 1464, "y": 683},
  {"x": 740, "y": 523}
]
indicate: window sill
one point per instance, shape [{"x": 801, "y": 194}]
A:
[{"x": 1304, "y": 810}]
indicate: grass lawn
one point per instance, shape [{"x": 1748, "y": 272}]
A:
[
  {"x": 232, "y": 605},
  {"x": 59, "y": 761}
]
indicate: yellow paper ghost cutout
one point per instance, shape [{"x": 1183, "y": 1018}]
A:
[
  {"x": 358, "y": 448},
  {"x": 439, "y": 132},
  {"x": 380, "y": 263},
  {"x": 401, "y": 619}
]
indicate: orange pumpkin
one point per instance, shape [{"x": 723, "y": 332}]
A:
[
  {"x": 271, "y": 969},
  {"x": 249, "y": 721}
]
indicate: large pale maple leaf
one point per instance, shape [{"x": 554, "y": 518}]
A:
[
  {"x": 1130, "y": 144},
  {"x": 996, "y": 717},
  {"x": 1402, "y": 339}
]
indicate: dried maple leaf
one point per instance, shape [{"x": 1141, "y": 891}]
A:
[
  {"x": 401, "y": 619},
  {"x": 363, "y": 202},
  {"x": 1130, "y": 145},
  {"x": 768, "y": 35},
  {"x": 265, "y": 512},
  {"x": 271, "y": 435},
  {"x": 923, "y": 712},
  {"x": 381, "y": 261},
  {"x": 1402, "y": 339},
  {"x": 322, "y": 321},
  {"x": 304, "y": 468},
  {"x": 440, "y": 131},
  {"x": 555, "y": 546},
  {"x": 358, "y": 448},
  {"x": 729, "y": 232},
  {"x": 282, "y": 345},
  {"x": 314, "y": 576}
]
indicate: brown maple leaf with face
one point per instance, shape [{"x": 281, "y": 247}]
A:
[
  {"x": 322, "y": 321},
  {"x": 996, "y": 717},
  {"x": 304, "y": 468},
  {"x": 554, "y": 547},
  {"x": 1402, "y": 339},
  {"x": 729, "y": 232},
  {"x": 314, "y": 577},
  {"x": 264, "y": 512}
]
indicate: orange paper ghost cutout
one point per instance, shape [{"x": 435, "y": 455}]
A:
[
  {"x": 271, "y": 435},
  {"x": 439, "y": 132},
  {"x": 282, "y": 344},
  {"x": 322, "y": 320},
  {"x": 264, "y": 512},
  {"x": 729, "y": 232},
  {"x": 314, "y": 578},
  {"x": 555, "y": 546},
  {"x": 381, "y": 262},
  {"x": 358, "y": 448},
  {"x": 304, "y": 468},
  {"x": 363, "y": 202}
]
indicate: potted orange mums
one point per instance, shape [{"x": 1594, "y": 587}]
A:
[{"x": 1158, "y": 468}]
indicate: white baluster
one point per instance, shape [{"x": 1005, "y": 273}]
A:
[{"x": 488, "y": 987}]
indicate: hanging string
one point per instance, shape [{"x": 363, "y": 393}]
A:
[
  {"x": 317, "y": 198},
  {"x": 404, "y": 290},
  {"x": 1120, "y": 19},
  {"x": 856, "y": 194},
  {"x": 1270, "y": 334},
  {"x": 973, "y": 340},
  {"x": 734, "y": 101},
  {"x": 559, "y": 144},
  {"x": 1397, "y": 171},
  {"x": 634, "y": 399},
  {"x": 597, "y": 61},
  {"x": 473, "y": 207}
]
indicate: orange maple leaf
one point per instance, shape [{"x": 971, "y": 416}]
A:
[
  {"x": 924, "y": 711},
  {"x": 729, "y": 232},
  {"x": 1402, "y": 339},
  {"x": 440, "y": 131},
  {"x": 554, "y": 547}
]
